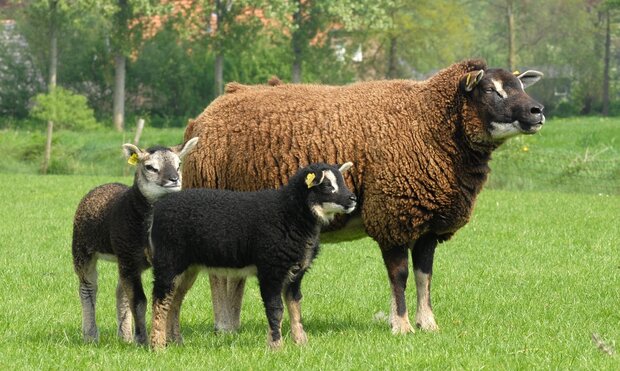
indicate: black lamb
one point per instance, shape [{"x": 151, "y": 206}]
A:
[{"x": 273, "y": 234}]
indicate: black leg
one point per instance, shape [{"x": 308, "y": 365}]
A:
[
  {"x": 423, "y": 255},
  {"x": 397, "y": 265},
  {"x": 271, "y": 292}
]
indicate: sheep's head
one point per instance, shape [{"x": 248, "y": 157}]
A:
[
  {"x": 328, "y": 194},
  {"x": 501, "y": 103},
  {"x": 157, "y": 168}
]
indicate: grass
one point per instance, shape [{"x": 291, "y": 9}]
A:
[{"x": 524, "y": 285}]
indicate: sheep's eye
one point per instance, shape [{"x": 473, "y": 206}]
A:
[
  {"x": 488, "y": 90},
  {"x": 151, "y": 169}
]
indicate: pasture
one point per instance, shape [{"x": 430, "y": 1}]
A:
[{"x": 526, "y": 284}]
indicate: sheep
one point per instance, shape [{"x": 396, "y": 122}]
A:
[
  {"x": 421, "y": 151},
  {"x": 273, "y": 234},
  {"x": 110, "y": 224}
]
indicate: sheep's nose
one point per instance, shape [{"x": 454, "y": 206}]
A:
[
  {"x": 537, "y": 110},
  {"x": 174, "y": 178},
  {"x": 352, "y": 198}
]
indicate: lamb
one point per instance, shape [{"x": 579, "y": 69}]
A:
[
  {"x": 110, "y": 224},
  {"x": 421, "y": 151},
  {"x": 273, "y": 234}
]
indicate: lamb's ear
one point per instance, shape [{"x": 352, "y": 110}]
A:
[
  {"x": 183, "y": 149},
  {"x": 530, "y": 77},
  {"x": 313, "y": 179},
  {"x": 132, "y": 153},
  {"x": 469, "y": 81},
  {"x": 345, "y": 167}
]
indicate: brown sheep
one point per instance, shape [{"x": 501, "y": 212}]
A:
[{"x": 420, "y": 152}]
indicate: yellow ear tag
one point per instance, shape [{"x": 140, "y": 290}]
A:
[
  {"x": 516, "y": 73},
  {"x": 468, "y": 77},
  {"x": 309, "y": 178},
  {"x": 133, "y": 159}
]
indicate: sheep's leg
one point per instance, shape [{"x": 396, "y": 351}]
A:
[
  {"x": 396, "y": 262},
  {"x": 292, "y": 297},
  {"x": 226, "y": 296},
  {"x": 132, "y": 285},
  {"x": 87, "y": 275},
  {"x": 164, "y": 290},
  {"x": 173, "y": 326},
  {"x": 423, "y": 254},
  {"x": 271, "y": 292},
  {"x": 123, "y": 314}
]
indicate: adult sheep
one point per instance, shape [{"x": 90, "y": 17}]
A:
[{"x": 421, "y": 152}]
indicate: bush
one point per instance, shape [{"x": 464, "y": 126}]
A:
[{"x": 66, "y": 109}]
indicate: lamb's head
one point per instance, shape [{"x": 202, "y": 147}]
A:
[
  {"x": 326, "y": 191},
  {"x": 501, "y": 103},
  {"x": 157, "y": 168}
]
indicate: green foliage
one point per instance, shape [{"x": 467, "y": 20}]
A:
[
  {"x": 66, "y": 109},
  {"x": 523, "y": 286}
]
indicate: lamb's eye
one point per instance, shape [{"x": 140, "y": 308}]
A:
[
  {"x": 151, "y": 169},
  {"x": 488, "y": 90}
]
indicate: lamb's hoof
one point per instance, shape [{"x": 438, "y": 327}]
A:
[
  {"x": 126, "y": 337},
  {"x": 275, "y": 344},
  {"x": 175, "y": 339},
  {"x": 299, "y": 337},
  {"x": 140, "y": 339},
  {"x": 427, "y": 324},
  {"x": 401, "y": 327},
  {"x": 91, "y": 336}
]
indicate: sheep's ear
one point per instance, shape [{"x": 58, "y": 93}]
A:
[
  {"x": 530, "y": 77},
  {"x": 314, "y": 179},
  {"x": 132, "y": 153},
  {"x": 345, "y": 167},
  {"x": 469, "y": 81},
  {"x": 184, "y": 149}
]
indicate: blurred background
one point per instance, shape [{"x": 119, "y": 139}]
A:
[{"x": 90, "y": 68}]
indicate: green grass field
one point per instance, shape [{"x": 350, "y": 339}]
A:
[{"x": 524, "y": 285}]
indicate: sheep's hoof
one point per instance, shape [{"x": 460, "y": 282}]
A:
[
  {"x": 275, "y": 344},
  {"x": 140, "y": 339},
  {"x": 91, "y": 336},
  {"x": 401, "y": 326},
  {"x": 175, "y": 339},
  {"x": 299, "y": 337},
  {"x": 426, "y": 323}
]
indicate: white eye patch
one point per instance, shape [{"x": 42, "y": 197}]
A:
[
  {"x": 332, "y": 178},
  {"x": 499, "y": 87}
]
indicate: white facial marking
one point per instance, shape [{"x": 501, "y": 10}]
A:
[
  {"x": 499, "y": 87},
  {"x": 151, "y": 182},
  {"x": 501, "y": 130},
  {"x": 332, "y": 178}
]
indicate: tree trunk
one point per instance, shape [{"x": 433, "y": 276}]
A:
[
  {"x": 297, "y": 45},
  {"x": 511, "y": 36},
  {"x": 119, "y": 92},
  {"x": 392, "y": 72},
  {"x": 52, "y": 80},
  {"x": 605, "y": 111},
  {"x": 219, "y": 74}
]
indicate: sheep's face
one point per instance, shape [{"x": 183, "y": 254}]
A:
[
  {"x": 157, "y": 172},
  {"x": 328, "y": 193},
  {"x": 502, "y": 104}
]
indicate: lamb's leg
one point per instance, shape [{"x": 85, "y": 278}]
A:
[
  {"x": 130, "y": 278},
  {"x": 226, "y": 296},
  {"x": 163, "y": 293},
  {"x": 123, "y": 314},
  {"x": 292, "y": 297},
  {"x": 87, "y": 275},
  {"x": 234, "y": 289},
  {"x": 396, "y": 262},
  {"x": 423, "y": 254},
  {"x": 173, "y": 326},
  {"x": 271, "y": 292}
]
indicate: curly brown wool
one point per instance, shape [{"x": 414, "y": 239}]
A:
[{"x": 420, "y": 152}]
